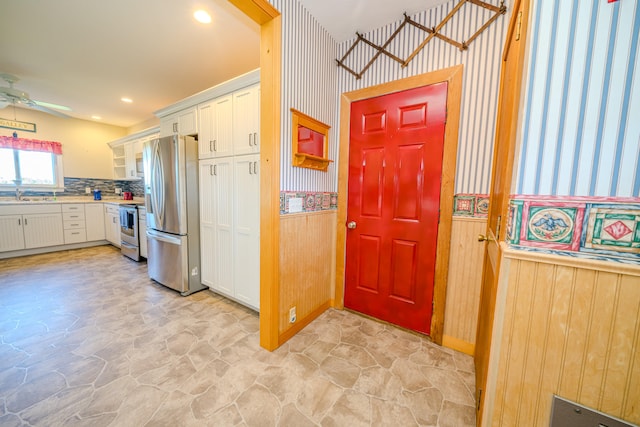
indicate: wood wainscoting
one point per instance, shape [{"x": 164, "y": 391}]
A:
[
  {"x": 569, "y": 327},
  {"x": 464, "y": 283},
  {"x": 307, "y": 266}
]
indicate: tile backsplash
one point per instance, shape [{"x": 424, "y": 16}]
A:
[{"x": 76, "y": 187}]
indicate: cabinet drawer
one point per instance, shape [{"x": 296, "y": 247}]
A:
[
  {"x": 72, "y": 225},
  {"x": 112, "y": 209},
  {"x": 73, "y": 207},
  {"x": 75, "y": 236},
  {"x": 73, "y": 216}
]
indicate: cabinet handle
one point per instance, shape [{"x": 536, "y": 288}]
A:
[
  {"x": 255, "y": 139},
  {"x": 255, "y": 168},
  {"x": 210, "y": 145},
  {"x": 215, "y": 145},
  {"x": 25, "y": 221},
  {"x": 215, "y": 169},
  {"x": 175, "y": 127},
  {"x": 19, "y": 221},
  {"x": 249, "y": 140},
  {"x": 250, "y": 168}
]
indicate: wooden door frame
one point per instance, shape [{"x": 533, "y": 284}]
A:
[
  {"x": 270, "y": 23},
  {"x": 453, "y": 77}
]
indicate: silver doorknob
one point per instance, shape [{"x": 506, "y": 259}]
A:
[{"x": 351, "y": 224}]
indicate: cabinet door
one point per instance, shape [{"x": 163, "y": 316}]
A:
[
  {"x": 223, "y": 224},
  {"x": 94, "y": 221},
  {"x": 42, "y": 230},
  {"x": 188, "y": 122},
  {"x": 246, "y": 120},
  {"x": 205, "y": 131},
  {"x": 167, "y": 125},
  {"x": 130, "y": 160},
  {"x": 246, "y": 231},
  {"x": 142, "y": 233},
  {"x": 222, "y": 126},
  {"x": 11, "y": 231},
  {"x": 207, "y": 223}
]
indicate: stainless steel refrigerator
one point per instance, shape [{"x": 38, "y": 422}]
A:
[{"x": 171, "y": 198}]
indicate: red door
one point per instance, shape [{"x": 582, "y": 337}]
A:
[{"x": 395, "y": 165}]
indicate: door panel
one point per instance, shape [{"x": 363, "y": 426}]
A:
[
  {"x": 395, "y": 165},
  {"x": 501, "y": 179}
]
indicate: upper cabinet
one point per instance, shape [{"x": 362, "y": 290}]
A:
[
  {"x": 127, "y": 154},
  {"x": 184, "y": 122},
  {"x": 246, "y": 120},
  {"x": 230, "y": 124},
  {"x": 216, "y": 131}
]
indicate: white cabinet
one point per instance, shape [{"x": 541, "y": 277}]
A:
[
  {"x": 74, "y": 223},
  {"x": 184, "y": 122},
  {"x": 142, "y": 230},
  {"x": 216, "y": 128},
  {"x": 246, "y": 228},
  {"x": 42, "y": 229},
  {"x": 94, "y": 221},
  {"x": 127, "y": 150},
  {"x": 11, "y": 232},
  {"x": 112, "y": 223},
  {"x": 246, "y": 120},
  {"x": 229, "y": 234},
  {"x": 230, "y": 124}
]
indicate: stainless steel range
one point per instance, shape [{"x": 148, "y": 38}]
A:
[{"x": 129, "y": 236}]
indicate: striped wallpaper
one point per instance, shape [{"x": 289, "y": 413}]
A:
[
  {"x": 312, "y": 83},
  {"x": 309, "y": 84},
  {"x": 481, "y": 76},
  {"x": 581, "y": 136}
]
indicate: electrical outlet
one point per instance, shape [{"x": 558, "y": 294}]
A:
[
  {"x": 87, "y": 190},
  {"x": 292, "y": 315}
]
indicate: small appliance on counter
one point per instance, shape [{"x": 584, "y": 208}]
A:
[
  {"x": 129, "y": 239},
  {"x": 127, "y": 195},
  {"x": 97, "y": 195}
]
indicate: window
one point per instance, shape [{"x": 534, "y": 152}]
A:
[{"x": 30, "y": 164}]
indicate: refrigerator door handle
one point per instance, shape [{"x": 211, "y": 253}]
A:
[
  {"x": 158, "y": 188},
  {"x": 152, "y": 234}
]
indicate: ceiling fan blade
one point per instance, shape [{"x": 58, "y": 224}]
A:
[{"x": 48, "y": 110}]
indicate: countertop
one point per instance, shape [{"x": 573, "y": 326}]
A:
[{"x": 69, "y": 199}]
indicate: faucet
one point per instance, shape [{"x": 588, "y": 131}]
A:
[{"x": 18, "y": 194}]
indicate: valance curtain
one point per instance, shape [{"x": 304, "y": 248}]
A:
[{"x": 30, "y": 144}]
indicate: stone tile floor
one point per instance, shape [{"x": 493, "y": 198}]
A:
[{"x": 86, "y": 339}]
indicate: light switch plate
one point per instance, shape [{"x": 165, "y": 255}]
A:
[{"x": 295, "y": 204}]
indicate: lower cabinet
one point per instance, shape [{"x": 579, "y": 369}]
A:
[
  {"x": 112, "y": 223},
  {"x": 142, "y": 231},
  {"x": 230, "y": 227},
  {"x": 94, "y": 220},
  {"x": 28, "y": 227}
]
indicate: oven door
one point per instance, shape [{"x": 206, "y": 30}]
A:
[{"x": 129, "y": 225}]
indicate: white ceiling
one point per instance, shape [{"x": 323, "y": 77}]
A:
[{"x": 89, "y": 54}]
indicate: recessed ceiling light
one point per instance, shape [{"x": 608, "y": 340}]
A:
[
  {"x": 96, "y": 117},
  {"x": 202, "y": 16},
  {"x": 127, "y": 100}
]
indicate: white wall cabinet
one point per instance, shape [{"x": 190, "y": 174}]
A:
[
  {"x": 184, "y": 122},
  {"x": 42, "y": 229},
  {"x": 246, "y": 120},
  {"x": 125, "y": 150},
  {"x": 94, "y": 220},
  {"x": 216, "y": 128},
  {"x": 112, "y": 223}
]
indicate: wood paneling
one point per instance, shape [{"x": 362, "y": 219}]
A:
[
  {"x": 307, "y": 265},
  {"x": 464, "y": 282},
  {"x": 571, "y": 329}
]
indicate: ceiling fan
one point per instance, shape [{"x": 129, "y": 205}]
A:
[{"x": 10, "y": 95}]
